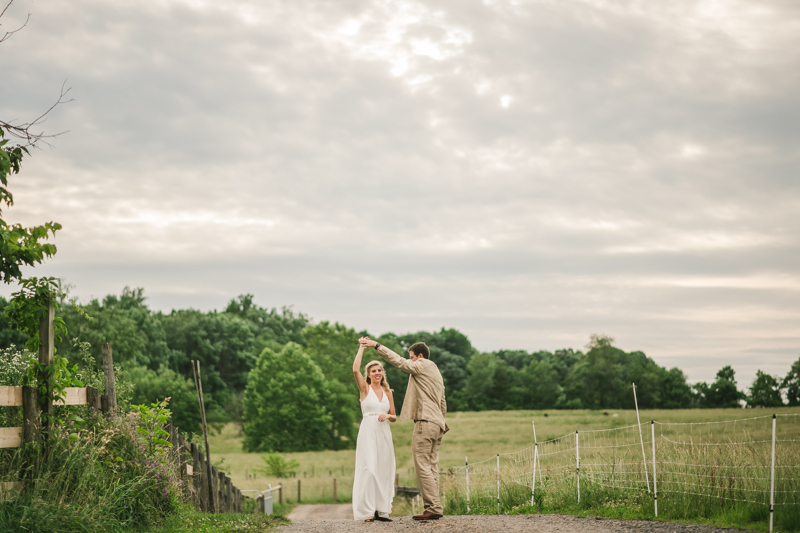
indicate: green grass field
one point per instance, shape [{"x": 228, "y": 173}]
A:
[{"x": 478, "y": 435}]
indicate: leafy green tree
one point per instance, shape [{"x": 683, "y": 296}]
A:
[
  {"x": 222, "y": 342},
  {"x": 480, "y": 392},
  {"x": 765, "y": 391},
  {"x": 150, "y": 387},
  {"x": 722, "y": 393},
  {"x": 479, "y": 384},
  {"x": 271, "y": 328},
  {"x": 289, "y": 405},
  {"x": 792, "y": 384},
  {"x": 538, "y": 386},
  {"x": 333, "y": 347},
  {"x": 136, "y": 335},
  {"x": 598, "y": 380},
  {"x": 675, "y": 391}
]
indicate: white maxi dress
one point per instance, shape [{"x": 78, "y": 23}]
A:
[{"x": 373, "y": 484}]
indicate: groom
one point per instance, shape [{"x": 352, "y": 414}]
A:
[{"x": 426, "y": 406}]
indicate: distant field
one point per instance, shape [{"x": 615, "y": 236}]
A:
[{"x": 478, "y": 435}]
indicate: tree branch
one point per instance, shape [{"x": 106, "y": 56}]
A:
[
  {"x": 24, "y": 131},
  {"x": 8, "y": 34}
]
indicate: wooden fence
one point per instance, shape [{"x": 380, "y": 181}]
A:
[{"x": 188, "y": 459}]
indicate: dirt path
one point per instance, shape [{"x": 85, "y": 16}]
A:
[
  {"x": 506, "y": 524},
  {"x": 322, "y": 512}
]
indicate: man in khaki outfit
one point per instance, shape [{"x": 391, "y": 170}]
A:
[{"x": 426, "y": 406}]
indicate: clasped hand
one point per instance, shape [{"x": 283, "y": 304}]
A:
[{"x": 366, "y": 342}]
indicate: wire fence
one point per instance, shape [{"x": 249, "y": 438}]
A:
[{"x": 753, "y": 461}]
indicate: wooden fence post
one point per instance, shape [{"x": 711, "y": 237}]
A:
[
  {"x": 214, "y": 489},
  {"x": 197, "y": 497},
  {"x": 46, "y": 353},
  {"x": 221, "y": 492},
  {"x": 260, "y": 504},
  {"x": 298, "y": 491},
  {"x": 93, "y": 398},
  {"x": 335, "y": 499},
  {"x": 31, "y": 415},
  {"x": 108, "y": 371},
  {"x": 228, "y": 494},
  {"x": 182, "y": 464},
  {"x": 280, "y": 495}
]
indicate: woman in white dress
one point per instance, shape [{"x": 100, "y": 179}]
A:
[{"x": 373, "y": 484}]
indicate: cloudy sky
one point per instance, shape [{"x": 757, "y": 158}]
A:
[{"x": 529, "y": 172}]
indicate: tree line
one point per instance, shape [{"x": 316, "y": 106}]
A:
[{"x": 283, "y": 376}]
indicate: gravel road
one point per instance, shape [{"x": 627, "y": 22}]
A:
[{"x": 510, "y": 524}]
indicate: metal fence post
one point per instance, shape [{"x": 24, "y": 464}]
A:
[
  {"x": 466, "y": 463},
  {"x": 655, "y": 483},
  {"x": 578, "y": 465},
  {"x": 533, "y": 483},
  {"x": 498, "y": 483},
  {"x": 772, "y": 477}
]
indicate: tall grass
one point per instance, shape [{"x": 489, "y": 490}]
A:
[{"x": 106, "y": 480}]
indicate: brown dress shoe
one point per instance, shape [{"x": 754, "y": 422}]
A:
[{"x": 427, "y": 515}]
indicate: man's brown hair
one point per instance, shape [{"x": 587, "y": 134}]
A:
[{"x": 420, "y": 348}]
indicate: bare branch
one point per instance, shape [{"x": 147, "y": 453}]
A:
[
  {"x": 24, "y": 131},
  {"x": 8, "y": 34}
]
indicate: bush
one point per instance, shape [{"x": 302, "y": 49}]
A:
[{"x": 277, "y": 466}]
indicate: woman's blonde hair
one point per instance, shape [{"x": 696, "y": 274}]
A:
[{"x": 384, "y": 383}]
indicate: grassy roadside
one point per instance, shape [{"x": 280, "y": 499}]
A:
[{"x": 189, "y": 520}]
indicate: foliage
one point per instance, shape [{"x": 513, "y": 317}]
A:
[
  {"x": 289, "y": 405},
  {"x": 106, "y": 479},
  {"x": 722, "y": 392},
  {"x": 19, "y": 245},
  {"x": 9, "y": 335},
  {"x": 792, "y": 384},
  {"x": 52, "y": 380},
  {"x": 277, "y": 466},
  {"x": 152, "y": 419},
  {"x": 765, "y": 391},
  {"x": 150, "y": 386},
  {"x": 30, "y": 304}
]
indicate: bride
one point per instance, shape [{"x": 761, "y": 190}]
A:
[{"x": 373, "y": 484}]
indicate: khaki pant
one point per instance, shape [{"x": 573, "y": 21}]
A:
[{"x": 425, "y": 448}]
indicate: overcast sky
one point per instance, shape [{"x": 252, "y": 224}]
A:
[{"x": 529, "y": 172}]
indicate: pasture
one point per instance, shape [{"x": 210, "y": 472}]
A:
[{"x": 478, "y": 435}]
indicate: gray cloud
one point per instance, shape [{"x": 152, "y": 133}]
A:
[{"x": 528, "y": 172}]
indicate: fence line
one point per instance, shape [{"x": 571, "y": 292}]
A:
[{"x": 753, "y": 460}]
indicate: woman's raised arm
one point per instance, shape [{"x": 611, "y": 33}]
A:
[{"x": 362, "y": 385}]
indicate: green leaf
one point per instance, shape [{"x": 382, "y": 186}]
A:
[
  {"x": 163, "y": 442},
  {"x": 73, "y": 436}
]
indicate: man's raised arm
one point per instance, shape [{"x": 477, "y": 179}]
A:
[{"x": 392, "y": 358}]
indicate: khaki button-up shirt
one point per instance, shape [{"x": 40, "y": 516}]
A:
[{"x": 425, "y": 394}]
